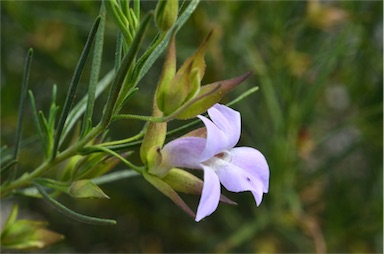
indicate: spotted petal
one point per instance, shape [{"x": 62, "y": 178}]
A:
[
  {"x": 253, "y": 161},
  {"x": 237, "y": 179}
]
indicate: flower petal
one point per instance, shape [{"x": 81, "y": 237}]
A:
[
  {"x": 253, "y": 161},
  {"x": 210, "y": 196},
  {"x": 216, "y": 140},
  {"x": 183, "y": 152},
  {"x": 229, "y": 121},
  {"x": 236, "y": 179}
]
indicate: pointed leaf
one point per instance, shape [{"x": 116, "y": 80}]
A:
[
  {"x": 118, "y": 92},
  {"x": 80, "y": 107},
  {"x": 23, "y": 94},
  {"x": 73, "y": 86},
  {"x": 152, "y": 54},
  {"x": 95, "y": 72}
]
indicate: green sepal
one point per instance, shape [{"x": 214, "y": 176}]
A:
[
  {"x": 154, "y": 158},
  {"x": 185, "y": 84},
  {"x": 208, "y": 96},
  {"x": 154, "y": 137},
  {"x": 183, "y": 181},
  {"x": 167, "y": 190}
]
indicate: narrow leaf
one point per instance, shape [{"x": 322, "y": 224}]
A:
[
  {"x": 120, "y": 20},
  {"x": 136, "y": 8},
  {"x": 80, "y": 107},
  {"x": 8, "y": 166},
  {"x": 73, "y": 86},
  {"x": 162, "y": 45},
  {"x": 36, "y": 118},
  {"x": 95, "y": 72},
  {"x": 118, "y": 50},
  {"x": 70, "y": 213},
  {"x": 53, "y": 110},
  {"x": 48, "y": 139},
  {"x": 23, "y": 94},
  {"x": 125, "y": 66}
]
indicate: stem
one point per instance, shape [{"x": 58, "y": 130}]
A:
[
  {"x": 139, "y": 117},
  {"x": 123, "y": 141},
  {"x": 129, "y": 164},
  {"x": 26, "y": 179},
  {"x": 114, "y": 176}
]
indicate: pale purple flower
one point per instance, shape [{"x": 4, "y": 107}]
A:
[{"x": 237, "y": 169}]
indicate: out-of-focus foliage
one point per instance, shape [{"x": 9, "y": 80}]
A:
[{"x": 317, "y": 118}]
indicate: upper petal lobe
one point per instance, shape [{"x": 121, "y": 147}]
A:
[{"x": 229, "y": 121}]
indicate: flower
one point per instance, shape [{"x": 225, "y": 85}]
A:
[{"x": 213, "y": 150}]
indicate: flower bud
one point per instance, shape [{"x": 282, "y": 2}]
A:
[
  {"x": 26, "y": 235},
  {"x": 185, "y": 84},
  {"x": 166, "y": 14},
  {"x": 86, "y": 189},
  {"x": 208, "y": 96}
]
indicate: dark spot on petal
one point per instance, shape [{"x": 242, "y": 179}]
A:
[
  {"x": 248, "y": 179},
  {"x": 220, "y": 155}
]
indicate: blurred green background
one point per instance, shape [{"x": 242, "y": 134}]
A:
[{"x": 318, "y": 119}]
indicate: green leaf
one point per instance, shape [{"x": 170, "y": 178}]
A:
[
  {"x": 48, "y": 135},
  {"x": 7, "y": 166},
  {"x": 120, "y": 20},
  {"x": 156, "y": 48},
  {"x": 86, "y": 189},
  {"x": 23, "y": 94},
  {"x": 36, "y": 119},
  {"x": 70, "y": 213},
  {"x": 73, "y": 86},
  {"x": 115, "y": 91},
  {"x": 147, "y": 60},
  {"x": 94, "y": 76},
  {"x": 80, "y": 107},
  {"x": 53, "y": 110}
]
